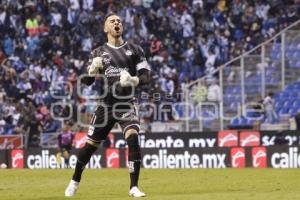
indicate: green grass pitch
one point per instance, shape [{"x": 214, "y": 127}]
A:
[{"x": 183, "y": 184}]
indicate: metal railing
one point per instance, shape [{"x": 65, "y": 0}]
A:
[{"x": 269, "y": 66}]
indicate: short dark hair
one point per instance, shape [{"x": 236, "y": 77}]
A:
[
  {"x": 108, "y": 15},
  {"x": 271, "y": 94}
]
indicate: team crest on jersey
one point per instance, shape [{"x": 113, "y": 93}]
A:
[
  {"x": 106, "y": 58},
  {"x": 128, "y": 53}
]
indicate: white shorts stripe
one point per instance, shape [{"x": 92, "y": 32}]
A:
[{"x": 126, "y": 127}]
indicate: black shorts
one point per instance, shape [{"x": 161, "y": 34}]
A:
[
  {"x": 66, "y": 148},
  {"x": 105, "y": 118}
]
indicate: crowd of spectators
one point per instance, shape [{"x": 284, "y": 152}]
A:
[{"x": 44, "y": 46}]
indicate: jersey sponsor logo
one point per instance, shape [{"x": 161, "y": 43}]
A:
[
  {"x": 259, "y": 157},
  {"x": 238, "y": 158},
  {"x": 112, "y": 158},
  {"x": 227, "y": 138},
  {"x": 17, "y": 159},
  {"x": 112, "y": 71},
  {"x": 248, "y": 139}
]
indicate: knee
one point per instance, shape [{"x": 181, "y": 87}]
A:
[
  {"x": 131, "y": 133},
  {"x": 132, "y": 137}
]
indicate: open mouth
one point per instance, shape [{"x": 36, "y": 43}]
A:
[{"x": 117, "y": 28}]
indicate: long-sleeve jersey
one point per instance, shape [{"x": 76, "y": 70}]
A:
[{"x": 129, "y": 57}]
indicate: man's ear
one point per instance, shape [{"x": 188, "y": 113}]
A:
[{"x": 105, "y": 29}]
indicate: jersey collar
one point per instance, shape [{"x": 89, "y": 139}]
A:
[{"x": 114, "y": 47}]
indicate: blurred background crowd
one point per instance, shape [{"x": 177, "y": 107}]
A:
[{"x": 45, "y": 44}]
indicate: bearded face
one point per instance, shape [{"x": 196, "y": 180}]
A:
[{"x": 113, "y": 26}]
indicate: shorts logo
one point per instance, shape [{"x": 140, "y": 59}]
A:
[
  {"x": 249, "y": 139},
  {"x": 91, "y": 130},
  {"x": 259, "y": 157},
  {"x": 238, "y": 158},
  {"x": 17, "y": 159},
  {"x": 227, "y": 138},
  {"x": 112, "y": 158}
]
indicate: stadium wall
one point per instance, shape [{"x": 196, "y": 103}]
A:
[{"x": 224, "y": 149}]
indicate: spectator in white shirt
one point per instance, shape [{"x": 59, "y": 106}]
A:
[
  {"x": 270, "y": 114},
  {"x": 55, "y": 18},
  {"x": 187, "y": 23},
  {"x": 88, "y": 5},
  {"x": 261, "y": 10},
  {"x": 74, "y": 4},
  {"x": 86, "y": 44},
  {"x": 214, "y": 91}
]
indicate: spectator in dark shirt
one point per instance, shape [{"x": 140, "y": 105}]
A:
[{"x": 65, "y": 142}]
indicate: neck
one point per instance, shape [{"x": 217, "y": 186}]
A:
[{"x": 115, "y": 41}]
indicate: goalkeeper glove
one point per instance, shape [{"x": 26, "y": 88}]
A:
[
  {"x": 127, "y": 80},
  {"x": 95, "y": 66}
]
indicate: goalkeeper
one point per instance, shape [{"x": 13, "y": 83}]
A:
[{"x": 124, "y": 66}]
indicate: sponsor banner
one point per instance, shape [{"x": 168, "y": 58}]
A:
[
  {"x": 154, "y": 158},
  {"x": 259, "y": 157},
  {"x": 161, "y": 140},
  {"x": 79, "y": 140},
  {"x": 238, "y": 158},
  {"x": 225, "y": 138},
  {"x": 186, "y": 158},
  {"x": 271, "y": 138},
  {"x": 117, "y": 158},
  {"x": 169, "y": 140},
  {"x": 47, "y": 159},
  {"x": 249, "y": 138},
  {"x": 112, "y": 158},
  {"x": 11, "y": 141},
  {"x": 17, "y": 158},
  {"x": 228, "y": 138},
  {"x": 284, "y": 157}
]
